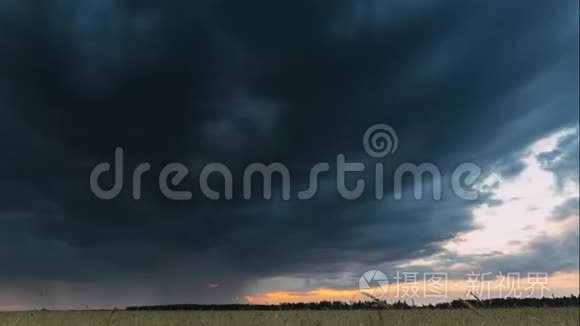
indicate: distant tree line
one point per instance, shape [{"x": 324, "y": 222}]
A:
[{"x": 571, "y": 301}]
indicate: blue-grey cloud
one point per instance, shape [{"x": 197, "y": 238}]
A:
[
  {"x": 570, "y": 207},
  {"x": 563, "y": 161}
]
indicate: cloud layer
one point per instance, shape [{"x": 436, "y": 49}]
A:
[{"x": 242, "y": 82}]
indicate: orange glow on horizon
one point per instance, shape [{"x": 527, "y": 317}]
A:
[
  {"x": 560, "y": 284},
  {"x": 321, "y": 294}
]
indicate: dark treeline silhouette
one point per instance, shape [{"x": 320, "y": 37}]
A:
[{"x": 571, "y": 301}]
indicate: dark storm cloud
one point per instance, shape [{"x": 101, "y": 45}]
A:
[{"x": 240, "y": 82}]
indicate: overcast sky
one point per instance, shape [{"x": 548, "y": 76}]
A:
[{"x": 493, "y": 83}]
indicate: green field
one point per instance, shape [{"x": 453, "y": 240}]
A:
[{"x": 527, "y": 316}]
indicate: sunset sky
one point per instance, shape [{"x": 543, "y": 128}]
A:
[{"x": 298, "y": 83}]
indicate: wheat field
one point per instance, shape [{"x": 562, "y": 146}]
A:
[{"x": 524, "y": 316}]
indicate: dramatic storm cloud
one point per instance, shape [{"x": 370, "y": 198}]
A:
[{"x": 299, "y": 82}]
